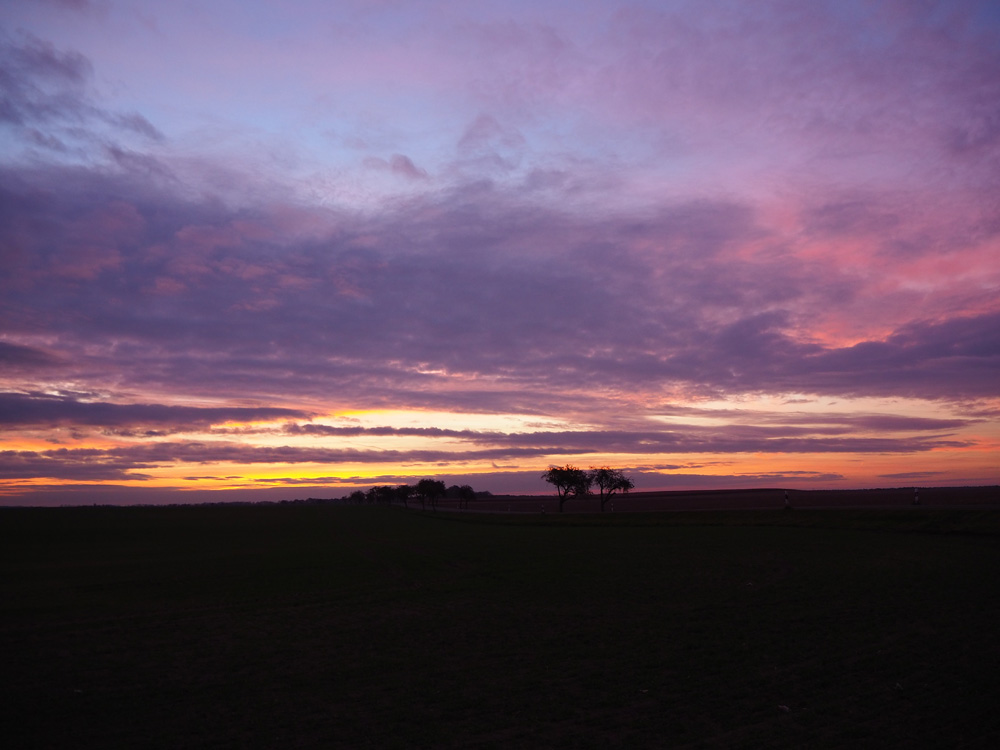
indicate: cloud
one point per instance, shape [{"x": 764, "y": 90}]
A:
[
  {"x": 81, "y": 464},
  {"x": 486, "y": 133},
  {"x": 443, "y": 293},
  {"x": 686, "y": 481},
  {"x": 33, "y": 409},
  {"x": 137, "y": 124},
  {"x": 919, "y": 359},
  {"x": 15, "y": 357},
  {"x": 129, "y": 462},
  {"x": 399, "y": 165},
  {"x": 46, "y": 98},
  {"x": 78, "y": 5},
  {"x": 913, "y": 475},
  {"x": 586, "y": 218},
  {"x": 488, "y": 149},
  {"x": 739, "y": 432},
  {"x": 402, "y": 165},
  {"x": 41, "y": 83}
]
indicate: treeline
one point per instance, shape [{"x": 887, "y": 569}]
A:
[
  {"x": 426, "y": 492},
  {"x": 569, "y": 481}
]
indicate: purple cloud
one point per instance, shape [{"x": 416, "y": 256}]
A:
[
  {"x": 82, "y": 465},
  {"x": 122, "y": 462},
  {"x": 16, "y": 357},
  {"x": 187, "y": 289},
  {"x": 593, "y": 220},
  {"x": 924, "y": 475},
  {"x": 399, "y": 165},
  {"x": 44, "y": 94},
  {"x": 21, "y": 410},
  {"x": 41, "y": 83}
]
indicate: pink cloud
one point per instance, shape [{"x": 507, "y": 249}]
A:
[{"x": 508, "y": 209}]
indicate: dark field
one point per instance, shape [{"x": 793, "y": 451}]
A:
[
  {"x": 320, "y": 626},
  {"x": 750, "y": 499}
]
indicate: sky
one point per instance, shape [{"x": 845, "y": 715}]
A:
[{"x": 268, "y": 250}]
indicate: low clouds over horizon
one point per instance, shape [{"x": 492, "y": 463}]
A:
[{"x": 596, "y": 230}]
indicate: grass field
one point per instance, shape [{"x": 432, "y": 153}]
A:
[{"x": 320, "y": 626}]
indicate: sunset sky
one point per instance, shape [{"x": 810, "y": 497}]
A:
[{"x": 267, "y": 250}]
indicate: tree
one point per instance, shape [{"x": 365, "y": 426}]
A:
[
  {"x": 357, "y": 497},
  {"x": 610, "y": 481},
  {"x": 465, "y": 494},
  {"x": 404, "y": 492},
  {"x": 381, "y": 495},
  {"x": 569, "y": 481},
  {"x": 430, "y": 490}
]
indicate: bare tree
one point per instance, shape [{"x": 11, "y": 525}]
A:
[
  {"x": 610, "y": 481},
  {"x": 569, "y": 481}
]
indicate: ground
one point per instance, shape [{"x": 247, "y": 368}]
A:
[{"x": 330, "y": 626}]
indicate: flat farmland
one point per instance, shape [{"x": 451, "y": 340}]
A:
[
  {"x": 747, "y": 499},
  {"x": 328, "y": 626}
]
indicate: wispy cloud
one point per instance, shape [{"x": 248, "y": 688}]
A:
[{"x": 47, "y": 102}]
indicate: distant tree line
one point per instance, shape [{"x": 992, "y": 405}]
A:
[
  {"x": 426, "y": 491},
  {"x": 571, "y": 481},
  {"x": 568, "y": 480}
]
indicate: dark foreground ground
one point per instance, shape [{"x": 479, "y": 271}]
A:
[
  {"x": 325, "y": 626},
  {"x": 749, "y": 499}
]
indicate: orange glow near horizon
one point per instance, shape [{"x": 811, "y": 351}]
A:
[{"x": 392, "y": 457}]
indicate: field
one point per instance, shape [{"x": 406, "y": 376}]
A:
[
  {"x": 749, "y": 499},
  {"x": 326, "y": 626}
]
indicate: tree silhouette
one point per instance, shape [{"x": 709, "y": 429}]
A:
[
  {"x": 569, "y": 481},
  {"x": 465, "y": 494},
  {"x": 429, "y": 490},
  {"x": 403, "y": 493},
  {"x": 610, "y": 481}
]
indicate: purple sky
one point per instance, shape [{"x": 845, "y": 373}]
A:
[{"x": 273, "y": 250}]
